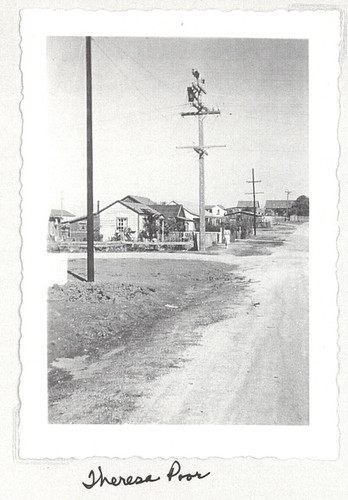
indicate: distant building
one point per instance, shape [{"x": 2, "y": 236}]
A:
[
  {"x": 173, "y": 213},
  {"x": 191, "y": 214},
  {"x": 76, "y": 229},
  {"x": 244, "y": 206},
  {"x": 278, "y": 207},
  {"x": 216, "y": 214},
  {"x": 56, "y": 217}
]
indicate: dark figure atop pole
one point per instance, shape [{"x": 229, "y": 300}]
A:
[{"x": 90, "y": 221}]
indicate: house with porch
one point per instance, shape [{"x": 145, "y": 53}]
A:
[
  {"x": 173, "y": 215},
  {"x": 191, "y": 214},
  {"x": 216, "y": 214}
]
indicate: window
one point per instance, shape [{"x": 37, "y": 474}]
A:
[{"x": 121, "y": 223}]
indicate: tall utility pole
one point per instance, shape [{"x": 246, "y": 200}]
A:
[
  {"x": 61, "y": 205},
  {"x": 287, "y": 204},
  {"x": 90, "y": 219},
  {"x": 253, "y": 182},
  {"x": 195, "y": 99}
]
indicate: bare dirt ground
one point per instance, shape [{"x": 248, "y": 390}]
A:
[{"x": 220, "y": 338}]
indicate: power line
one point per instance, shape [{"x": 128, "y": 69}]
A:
[
  {"x": 143, "y": 67},
  {"x": 126, "y": 77}
]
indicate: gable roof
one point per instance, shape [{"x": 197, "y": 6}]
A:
[
  {"x": 213, "y": 206},
  {"x": 55, "y": 212},
  {"x": 138, "y": 199},
  {"x": 81, "y": 218},
  {"x": 246, "y": 204},
  {"x": 191, "y": 208},
  {"x": 170, "y": 211},
  {"x": 139, "y": 208},
  {"x": 274, "y": 204}
]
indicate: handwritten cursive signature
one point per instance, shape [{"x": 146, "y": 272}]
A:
[{"x": 174, "y": 474}]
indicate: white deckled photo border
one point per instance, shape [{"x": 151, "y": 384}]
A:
[{"x": 318, "y": 440}]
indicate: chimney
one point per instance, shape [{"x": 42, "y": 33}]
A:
[{"x": 98, "y": 203}]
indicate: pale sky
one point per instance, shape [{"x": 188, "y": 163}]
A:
[{"x": 139, "y": 90}]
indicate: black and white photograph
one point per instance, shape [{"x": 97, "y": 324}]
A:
[
  {"x": 179, "y": 226},
  {"x": 178, "y": 230},
  {"x": 173, "y": 191}
]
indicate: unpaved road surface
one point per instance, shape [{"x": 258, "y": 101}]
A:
[
  {"x": 239, "y": 358},
  {"x": 253, "y": 368}
]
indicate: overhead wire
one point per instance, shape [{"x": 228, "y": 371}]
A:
[
  {"x": 126, "y": 77},
  {"x": 142, "y": 66}
]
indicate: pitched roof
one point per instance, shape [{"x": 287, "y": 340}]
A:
[
  {"x": 246, "y": 204},
  {"x": 190, "y": 207},
  {"x": 78, "y": 219},
  {"x": 212, "y": 206},
  {"x": 170, "y": 211},
  {"x": 138, "y": 199},
  {"x": 55, "y": 212},
  {"x": 274, "y": 204},
  {"x": 140, "y": 208}
]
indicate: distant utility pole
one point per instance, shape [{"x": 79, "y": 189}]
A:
[
  {"x": 287, "y": 204},
  {"x": 194, "y": 94},
  {"x": 253, "y": 182},
  {"x": 61, "y": 205},
  {"x": 90, "y": 219}
]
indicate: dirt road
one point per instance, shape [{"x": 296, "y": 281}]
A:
[{"x": 249, "y": 368}]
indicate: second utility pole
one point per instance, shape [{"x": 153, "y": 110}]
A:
[
  {"x": 195, "y": 99},
  {"x": 287, "y": 204},
  {"x": 254, "y": 199}
]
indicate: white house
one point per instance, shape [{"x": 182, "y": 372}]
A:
[
  {"x": 128, "y": 213},
  {"x": 216, "y": 212}
]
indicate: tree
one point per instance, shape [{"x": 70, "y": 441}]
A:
[
  {"x": 151, "y": 226},
  {"x": 172, "y": 225},
  {"x": 300, "y": 206}
]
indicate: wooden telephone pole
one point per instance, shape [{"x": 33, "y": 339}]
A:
[
  {"x": 287, "y": 204},
  {"x": 253, "y": 182},
  {"x": 195, "y": 99},
  {"x": 90, "y": 219}
]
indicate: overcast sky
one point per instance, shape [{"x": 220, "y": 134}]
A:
[{"x": 139, "y": 91}]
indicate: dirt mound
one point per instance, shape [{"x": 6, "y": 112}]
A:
[{"x": 95, "y": 292}]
